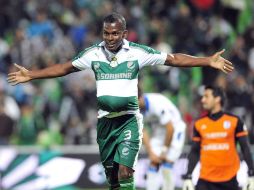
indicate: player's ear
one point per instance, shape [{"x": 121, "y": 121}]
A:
[
  {"x": 218, "y": 99},
  {"x": 125, "y": 34}
]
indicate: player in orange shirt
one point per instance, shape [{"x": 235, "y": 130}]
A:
[{"x": 214, "y": 143}]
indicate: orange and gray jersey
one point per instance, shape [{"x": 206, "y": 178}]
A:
[{"x": 218, "y": 154}]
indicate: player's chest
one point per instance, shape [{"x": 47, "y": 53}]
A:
[
  {"x": 122, "y": 59},
  {"x": 217, "y": 130},
  {"x": 120, "y": 62},
  {"x": 123, "y": 70}
]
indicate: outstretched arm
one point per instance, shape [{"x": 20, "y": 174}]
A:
[
  {"x": 24, "y": 75},
  {"x": 215, "y": 61}
]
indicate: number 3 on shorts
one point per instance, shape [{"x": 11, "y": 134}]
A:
[{"x": 127, "y": 135}]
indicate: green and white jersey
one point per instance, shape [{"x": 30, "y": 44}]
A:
[{"x": 117, "y": 80}]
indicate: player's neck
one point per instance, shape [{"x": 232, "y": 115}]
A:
[
  {"x": 216, "y": 116},
  {"x": 216, "y": 109}
]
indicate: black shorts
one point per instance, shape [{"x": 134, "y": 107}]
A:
[{"x": 232, "y": 184}]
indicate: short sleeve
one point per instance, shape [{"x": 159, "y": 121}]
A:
[
  {"x": 241, "y": 129},
  {"x": 82, "y": 61},
  {"x": 153, "y": 58},
  {"x": 196, "y": 136},
  {"x": 148, "y": 56},
  {"x": 165, "y": 116}
]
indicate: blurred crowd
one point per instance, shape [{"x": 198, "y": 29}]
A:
[{"x": 36, "y": 34}]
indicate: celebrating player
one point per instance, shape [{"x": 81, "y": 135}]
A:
[{"x": 116, "y": 63}]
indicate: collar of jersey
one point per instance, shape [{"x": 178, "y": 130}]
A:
[
  {"x": 215, "y": 116},
  {"x": 125, "y": 44}
]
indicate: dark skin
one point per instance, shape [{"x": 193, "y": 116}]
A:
[{"x": 113, "y": 35}]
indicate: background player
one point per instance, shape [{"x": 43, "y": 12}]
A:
[
  {"x": 165, "y": 142},
  {"x": 116, "y": 63},
  {"x": 214, "y": 144}
]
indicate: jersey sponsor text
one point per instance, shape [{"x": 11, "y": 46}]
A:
[
  {"x": 216, "y": 135},
  {"x": 108, "y": 76},
  {"x": 216, "y": 146}
]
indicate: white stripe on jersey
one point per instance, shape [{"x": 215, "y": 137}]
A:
[{"x": 120, "y": 88}]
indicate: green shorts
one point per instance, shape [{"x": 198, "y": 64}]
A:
[{"x": 119, "y": 139}]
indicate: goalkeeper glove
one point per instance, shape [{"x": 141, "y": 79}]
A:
[
  {"x": 250, "y": 183},
  {"x": 187, "y": 183}
]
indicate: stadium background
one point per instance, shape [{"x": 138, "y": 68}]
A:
[{"x": 62, "y": 112}]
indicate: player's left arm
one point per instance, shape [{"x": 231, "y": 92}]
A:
[
  {"x": 242, "y": 138},
  {"x": 245, "y": 148},
  {"x": 215, "y": 61},
  {"x": 194, "y": 154}
]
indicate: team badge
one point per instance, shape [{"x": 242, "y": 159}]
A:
[
  {"x": 130, "y": 65},
  {"x": 96, "y": 66},
  {"x": 125, "y": 151},
  {"x": 227, "y": 124},
  {"x": 113, "y": 62},
  {"x": 245, "y": 127},
  {"x": 203, "y": 127}
]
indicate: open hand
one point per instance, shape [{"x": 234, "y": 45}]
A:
[
  {"x": 220, "y": 63},
  {"x": 20, "y": 76}
]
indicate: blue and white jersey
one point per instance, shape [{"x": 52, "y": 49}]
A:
[{"x": 159, "y": 111}]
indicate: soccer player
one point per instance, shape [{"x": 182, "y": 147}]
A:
[
  {"x": 116, "y": 63},
  {"x": 165, "y": 142},
  {"x": 214, "y": 143}
]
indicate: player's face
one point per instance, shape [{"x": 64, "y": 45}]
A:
[
  {"x": 113, "y": 35},
  {"x": 208, "y": 100}
]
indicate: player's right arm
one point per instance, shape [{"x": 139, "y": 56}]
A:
[
  {"x": 193, "y": 160},
  {"x": 193, "y": 157},
  {"x": 24, "y": 75},
  {"x": 194, "y": 154}
]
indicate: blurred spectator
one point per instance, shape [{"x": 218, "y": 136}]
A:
[
  {"x": 22, "y": 49},
  {"x": 41, "y": 26},
  {"x": 29, "y": 125},
  {"x": 239, "y": 56},
  {"x": 240, "y": 97},
  {"x": 7, "y": 125},
  {"x": 78, "y": 29},
  {"x": 9, "y": 105}
]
